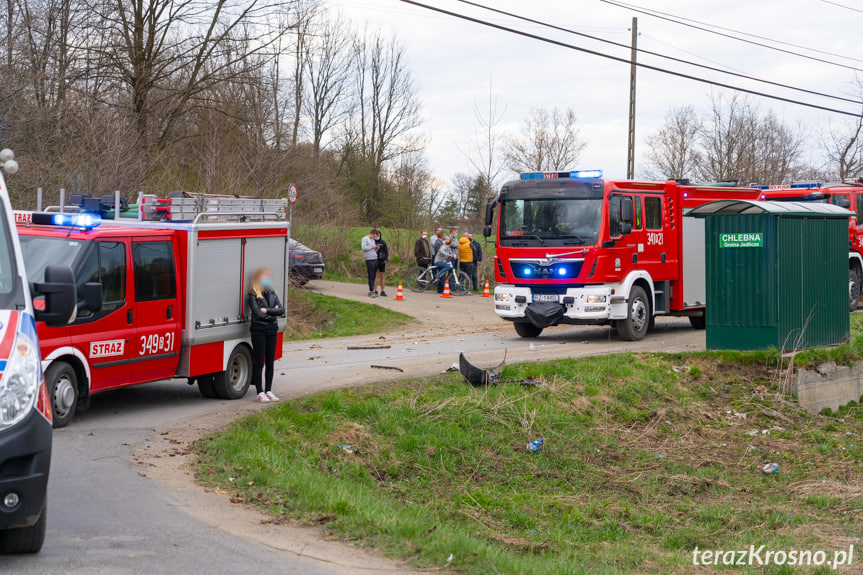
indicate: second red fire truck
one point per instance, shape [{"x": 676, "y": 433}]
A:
[
  {"x": 573, "y": 247},
  {"x": 157, "y": 299}
]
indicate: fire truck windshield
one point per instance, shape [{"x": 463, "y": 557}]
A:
[
  {"x": 41, "y": 251},
  {"x": 550, "y": 222},
  {"x": 10, "y": 287}
]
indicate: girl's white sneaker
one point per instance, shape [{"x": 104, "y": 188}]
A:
[
  {"x": 262, "y": 397},
  {"x": 272, "y": 396}
]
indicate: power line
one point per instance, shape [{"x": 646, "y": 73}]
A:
[
  {"x": 625, "y": 60},
  {"x": 703, "y": 27},
  {"x": 843, "y": 6},
  {"x": 659, "y": 55}
]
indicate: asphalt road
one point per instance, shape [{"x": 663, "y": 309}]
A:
[{"x": 121, "y": 499}]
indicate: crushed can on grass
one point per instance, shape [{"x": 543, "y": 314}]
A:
[
  {"x": 534, "y": 446},
  {"x": 770, "y": 468}
]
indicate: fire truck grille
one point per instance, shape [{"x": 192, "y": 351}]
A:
[{"x": 554, "y": 271}]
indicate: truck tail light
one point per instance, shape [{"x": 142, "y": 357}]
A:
[{"x": 43, "y": 402}]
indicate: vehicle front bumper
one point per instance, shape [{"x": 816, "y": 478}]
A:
[
  {"x": 588, "y": 304},
  {"x": 25, "y": 460}
]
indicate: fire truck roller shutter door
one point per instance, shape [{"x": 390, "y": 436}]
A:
[
  {"x": 217, "y": 292},
  {"x": 269, "y": 252}
]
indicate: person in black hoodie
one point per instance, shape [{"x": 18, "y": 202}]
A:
[
  {"x": 383, "y": 256},
  {"x": 265, "y": 309}
]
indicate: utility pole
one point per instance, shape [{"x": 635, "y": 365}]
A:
[{"x": 630, "y": 151}]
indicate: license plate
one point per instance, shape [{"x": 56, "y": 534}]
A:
[
  {"x": 546, "y": 297},
  {"x": 319, "y": 270}
]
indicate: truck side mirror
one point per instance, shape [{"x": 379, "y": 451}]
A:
[
  {"x": 843, "y": 202},
  {"x": 92, "y": 297},
  {"x": 625, "y": 228},
  {"x": 626, "y": 212},
  {"x": 486, "y": 231},
  {"x": 59, "y": 291}
]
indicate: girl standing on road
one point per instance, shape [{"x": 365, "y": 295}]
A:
[{"x": 265, "y": 309}]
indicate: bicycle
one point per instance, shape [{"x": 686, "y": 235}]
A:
[{"x": 420, "y": 279}]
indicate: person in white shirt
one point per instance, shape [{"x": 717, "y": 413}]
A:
[{"x": 370, "y": 254}]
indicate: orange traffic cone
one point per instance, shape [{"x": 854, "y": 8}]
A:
[
  {"x": 400, "y": 294},
  {"x": 445, "y": 289},
  {"x": 485, "y": 291}
]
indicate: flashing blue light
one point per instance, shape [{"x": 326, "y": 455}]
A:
[
  {"x": 586, "y": 174},
  {"x": 527, "y": 271},
  {"x": 582, "y": 174},
  {"x": 83, "y": 220},
  {"x": 685, "y": 194},
  {"x": 561, "y": 271}
]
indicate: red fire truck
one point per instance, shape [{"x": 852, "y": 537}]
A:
[
  {"x": 575, "y": 248},
  {"x": 157, "y": 299},
  {"x": 847, "y": 195}
]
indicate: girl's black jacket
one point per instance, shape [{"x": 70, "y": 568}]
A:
[{"x": 266, "y": 323}]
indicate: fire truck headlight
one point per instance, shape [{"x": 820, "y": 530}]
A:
[
  {"x": 19, "y": 385},
  {"x": 501, "y": 297},
  {"x": 596, "y": 299}
]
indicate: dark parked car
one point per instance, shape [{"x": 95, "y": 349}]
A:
[{"x": 306, "y": 263}]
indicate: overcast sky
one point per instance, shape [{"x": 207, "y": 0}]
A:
[{"x": 455, "y": 62}]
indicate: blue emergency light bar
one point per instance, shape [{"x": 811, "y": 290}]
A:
[
  {"x": 807, "y": 186},
  {"x": 83, "y": 221},
  {"x": 581, "y": 174}
]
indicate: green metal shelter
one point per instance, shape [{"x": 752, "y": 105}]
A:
[{"x": 776, "y": 274}]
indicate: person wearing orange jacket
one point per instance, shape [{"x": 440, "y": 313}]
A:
[{"x": 465, "y": 256}]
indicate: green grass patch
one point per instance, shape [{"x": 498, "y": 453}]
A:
[
  {"x": 314, "y": 316},
  {"x": 646, "y": 456}
]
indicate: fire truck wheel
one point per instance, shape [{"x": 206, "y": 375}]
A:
[
  {"x": 233, "y": 383},
  {"x": 527, "y": 329},
  {"x": 62, "y": 382},
  {"x": 637, "y": 322},
  {"x": 853, "y": 290},
  {"x": 207, "y": 386}
]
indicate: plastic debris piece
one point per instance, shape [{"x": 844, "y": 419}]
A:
[
  {"x": 661, "y": 456},
  {"x": 535, "y": 445},
  {"x": 345, "y": 448},
  {"x": 739, "y": 415},
  {"x": 448, "y": 559},
  {"x": 770, "y": 468},
  {"x": 753, "y": 432}
]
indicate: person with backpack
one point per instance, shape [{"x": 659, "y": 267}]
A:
[{"x": 383, "y": 256}]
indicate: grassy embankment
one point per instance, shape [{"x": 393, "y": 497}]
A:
[
  {"x": 340, "y": 247},
  {"x": 314, "y": 316},
  {"x": 646, "y": 457}
]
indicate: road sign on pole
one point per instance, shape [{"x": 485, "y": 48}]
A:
[{"x": 292, "y": 199}]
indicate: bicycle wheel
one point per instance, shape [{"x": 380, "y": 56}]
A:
[
  {"x": 460, "y": 285},
  {"x": 418, "y": 279}
]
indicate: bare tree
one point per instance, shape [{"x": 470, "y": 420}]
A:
[
  {"x": 741, "y": 144},
  {"x": 549, "y": 140},
  {"x": 485, "y": 154},
  {"x": 327, "y": 69},
  {"x": 673, "y": 150},
  {"x": 386, "y": 109},
  {"x": 166, "y": 53},
  {"x": 843, "y": 149}
]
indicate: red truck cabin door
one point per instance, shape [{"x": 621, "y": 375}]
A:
[
  {"x": 105, "y": 336},
  {"x": 156, "y": 314}
]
